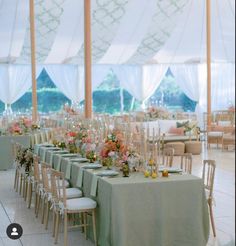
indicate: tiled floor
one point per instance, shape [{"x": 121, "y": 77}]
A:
[{"x": 13, "y": 208}]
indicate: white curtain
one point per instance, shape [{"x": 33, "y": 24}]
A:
[
  {"x": 130, "y": 79},
  {"x": 66, "y": 78},
  {"x": 186, "y": 76},
  {"x": 70, "y": 79},
  {"x": 152, "y": 76},
  {"x": 15, "y": 80},
  {"x": 223, "y": 86}
]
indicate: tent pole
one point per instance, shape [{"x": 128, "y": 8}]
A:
[
  {"x": 208, "y": 28},
  {"x": 87, "y": 59},
  {"x": 33, "y": 67}
]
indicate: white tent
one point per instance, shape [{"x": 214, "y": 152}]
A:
[{"x": 138, "y": 39}]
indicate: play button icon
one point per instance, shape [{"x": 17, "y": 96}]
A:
[{"x": 14, "y": 231}]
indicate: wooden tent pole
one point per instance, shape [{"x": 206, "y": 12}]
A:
[
  {"x": 33, "y": 66},
  {"x": 208, "y": 28},
  {"x": 87, "y": 58}
]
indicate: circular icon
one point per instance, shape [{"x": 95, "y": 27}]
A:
[{"x": 14, "y": 231}]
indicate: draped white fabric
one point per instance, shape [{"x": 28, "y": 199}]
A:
[
  {"x": 133, "y": 28},
  {"x": 130, "y": 79},
  {"x": 66, "y": 79},
  {"x": 186, "y": 76},
  {"x": 151, "y": 79},
  {"x": 223, "y": 86},
  {"x": 13, "y": 19},
  {"x": 187, "y": 43},
  {"x": 70, "y": 79},
  {"x": 131, "y": 32},
  {"x": 70, "y": 34},
  {"x": 15, "y": 80}
]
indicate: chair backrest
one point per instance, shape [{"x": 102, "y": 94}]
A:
[
  {"x": 186, "y": 163},
  {"x": 58, "y": 186},
  {"x": 167, "y": 157},
  {"x": 37, "y": 169},
  {"x": 46, "y": 171},
  {"x": 208, "y": 175}
]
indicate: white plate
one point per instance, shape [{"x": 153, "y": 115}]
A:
[
  {"x": 92, "y": 166},
  {"x": 80, "y": 160},
  {"x": 69, "y": 155},
  {"x": 170, "y": 169},
  {"x": 61, "y": 152},
  {"x": 107, "y": 173}
]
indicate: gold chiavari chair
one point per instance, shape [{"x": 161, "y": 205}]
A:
[
  {"x": 186, "y": 163},
  {"x": 84, "y": 206},
  {"x": 48, "y": 200},
  {"x": 208, "y": 176},
  {"x": 167, "y": 157}
]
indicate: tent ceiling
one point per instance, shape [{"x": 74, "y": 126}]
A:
[{"x": 123, "y": 31}]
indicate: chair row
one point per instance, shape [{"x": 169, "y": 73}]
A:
[{"x": 52, "y": 195}]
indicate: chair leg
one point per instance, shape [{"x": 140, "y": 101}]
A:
[
  {"x": 36, "y": 202},
  {"x": 53, "y": 223},
  {"x": 85, "y": 224},
  {"x": 29, "y": 195},
  {"x": 43, "y": 210},
  {"x": 65, "y": 229},
  {"x": 212, "y": 220},
  {"x": 38, "y": 205},
  {"x": 20, "y": 191},
  {"x": 15, "y": 180},
  {"x": 47, "y": 215},
  {"x": 57, "y": 227},
  {"x": 26, "y": 189},
  {"x": 94, "y": 227}
]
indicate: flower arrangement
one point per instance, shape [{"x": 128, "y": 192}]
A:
[
  {"x": 157, "y": 113},
  {"x": 15, "y": 129},
  {"x": 22, "y": 125},
  {"x": 91, "y": 156},
  {"x": 25, "y": 158},
  {"x": 113, "y": 149}
]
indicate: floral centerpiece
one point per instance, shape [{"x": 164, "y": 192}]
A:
[
  {"x": 22, "y": 125},
  {"x": 25, "y": 158},
  {"x": 15, "y": 129},
  {"x": 70, "y": 141},
  {"x": 91, "y": 156},
  {"x": 113, "y": 149},
  {"x": 157, "y": 113}
]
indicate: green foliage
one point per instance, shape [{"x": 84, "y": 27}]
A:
[
  {"x": 174, "y": 98},
  {"x": 109, "y": 101},
  {"x": 48, "y": 100},
  {"x": 106, "y": 99},
  {"x": 44, "y": 81}
]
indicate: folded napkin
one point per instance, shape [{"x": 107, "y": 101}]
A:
[
  {"x": 43, "y": 157},
  {"x": 79, "y": 181},
  {"x": 93, "y": 191},
  {"x": 68, "y": 170},
  {"x": 58, "y": 164},
  {"x": 51, "y": 158}
]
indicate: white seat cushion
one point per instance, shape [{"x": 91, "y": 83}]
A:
[
  {"x": 215, "y": 134},
  {"x": 80, "y": 204},
  {"x": 73, "y": 193}
]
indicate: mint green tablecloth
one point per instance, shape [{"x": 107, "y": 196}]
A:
[
  {"x": 6, "y": 156},
  {"x": 147, "y": 212}
]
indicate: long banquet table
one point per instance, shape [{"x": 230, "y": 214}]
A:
[{"x": 142, "y": 211}]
